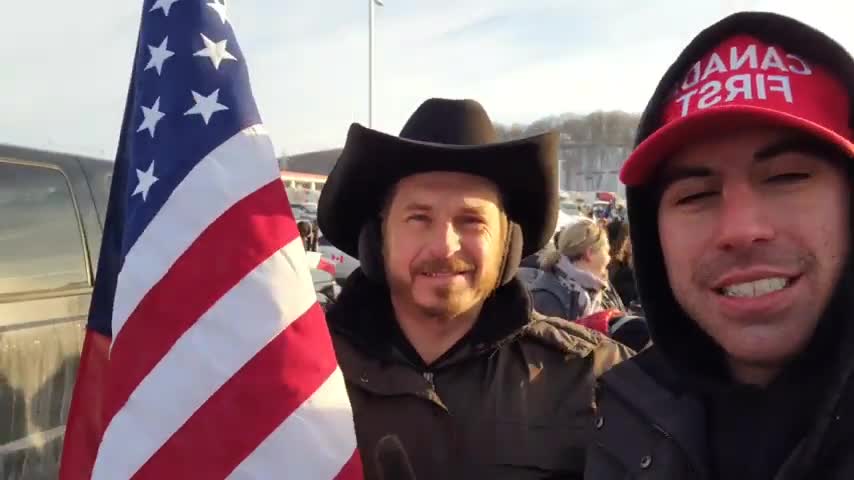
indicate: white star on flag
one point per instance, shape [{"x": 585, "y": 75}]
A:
[
  {"x": 219, "y": 6},
  {"x": 158, "y": 56},
  {"x": 206, "y": 106},
  {"x": 164, "y": 5},
  {"x": 215, "y": 51},
  {"x": 150, "y": 117},
  {"x": 146, "y": 180}
]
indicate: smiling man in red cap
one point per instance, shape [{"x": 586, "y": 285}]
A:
[{"x": 739, "y": 197}]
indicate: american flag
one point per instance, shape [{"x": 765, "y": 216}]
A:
[{"x": 206, "y": 353}]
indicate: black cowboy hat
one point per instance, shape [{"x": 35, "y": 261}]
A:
[{"x": 442, "y": 135}]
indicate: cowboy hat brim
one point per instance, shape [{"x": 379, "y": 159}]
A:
[{"x": 372, "y": 162}]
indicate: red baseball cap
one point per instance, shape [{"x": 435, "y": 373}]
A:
[{"x": 745, "y": 81}]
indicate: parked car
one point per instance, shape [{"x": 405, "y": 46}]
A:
[
  {"x": 344, "y": 264},
  {"x": 310, "y": 209},
  {"x": 301, "y": 213},
  {"x": 52, "y": 210},
  {"x": 569, "y": 207},
  {"x": 325, "y": 287},
  {"x": 323, "y": 275}
]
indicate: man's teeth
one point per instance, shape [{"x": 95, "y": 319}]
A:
[{"x": 757, "y": 288}]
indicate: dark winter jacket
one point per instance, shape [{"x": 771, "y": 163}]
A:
[
  {"x": 582, "y": 295},
  {"x": 673, "y": 412},
  {"x": 512, "y": 400},
  {"x": 623, "y": 280}
]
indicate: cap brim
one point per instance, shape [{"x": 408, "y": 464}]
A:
[{"x": 646, "y": 160}]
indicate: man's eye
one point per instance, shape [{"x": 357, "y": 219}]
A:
[
  {"x": 788, "y": 177},
  {"x": 418, "y": 218},
  {"x": 695, "y": 197},
  {"x": 473, "y": 224}
]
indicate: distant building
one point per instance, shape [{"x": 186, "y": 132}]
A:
[
  {"x": 302, "y": 187},
  {"x": 592, "y": 167},
  {"x": 584, "y": 167},
  {"x": 304, "y": 181},
  {"x": 318, "y": 163}
]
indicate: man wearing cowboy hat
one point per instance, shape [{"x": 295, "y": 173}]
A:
[
  {"x": 739, "y": 196},
  {"x": 434, "y": 334}
]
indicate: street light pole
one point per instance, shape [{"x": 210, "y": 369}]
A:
[{"x": 371, "y": 5}]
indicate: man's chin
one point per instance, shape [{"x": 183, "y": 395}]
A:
[
  {"x": 443, "y": 307},
  {"x": 437, "y": 306},
  {"x": 438, "y": 311},
  {"x": 763, "y": 350}
]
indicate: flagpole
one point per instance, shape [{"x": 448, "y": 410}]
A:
[{"x": 371, "y": 8}]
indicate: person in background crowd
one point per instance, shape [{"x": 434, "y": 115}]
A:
[
  {"x": 307, "y": 232},
  {"x": 434, "y": 334},
  {"x": 620, "y": 270},
  {"x": 587, "y": 211},
  {"x": 573, "y": 284},
  {"x": 574, "y": 280},
  {"x": 739, "y": 195},
  {"x": 529, "y": 268},
  {"x": 631, "y": 329},
  {"x": 620, "y": 213}
]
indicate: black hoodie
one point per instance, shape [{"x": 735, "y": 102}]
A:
[{"x": 747, "y": 432}]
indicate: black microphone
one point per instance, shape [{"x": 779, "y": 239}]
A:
[{"x": 392, "y": 461}]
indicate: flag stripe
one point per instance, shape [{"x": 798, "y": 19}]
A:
[
  {"x": 231, "y": 172},
  {"x": 85, "y": 424},
  {"x": 232, "y": 333},
  {"x": 352, "y": 469},
  {"x": 244, "y": 237},
  {"x": 316, "y": 441},
  {"x": 273, "y": 385}
]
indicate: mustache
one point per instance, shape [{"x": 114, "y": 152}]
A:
[
  {"x": 713, "y": 267},
  {"x": 444, "y": 265}
]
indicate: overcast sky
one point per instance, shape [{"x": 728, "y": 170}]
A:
[{"x": 66, "y": 64}]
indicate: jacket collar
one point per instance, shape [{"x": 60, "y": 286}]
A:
[
  {"x": 363, "y": 314},
  {"x": 569, "y": 271}
]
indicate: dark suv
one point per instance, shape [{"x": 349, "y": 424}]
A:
[{"x": 52, "y": 209}]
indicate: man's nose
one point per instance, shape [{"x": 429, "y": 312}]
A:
[
  {"x": 743, "y": 221},
  {"x": 445, "y": 240}
]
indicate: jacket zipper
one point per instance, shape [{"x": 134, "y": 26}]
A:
[{"x": 429, "y": 377}]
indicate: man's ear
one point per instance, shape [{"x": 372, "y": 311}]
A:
[
  {"x": 512, "y": 254},
  {"x": 371, "y": 251}
]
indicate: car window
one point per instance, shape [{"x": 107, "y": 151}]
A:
[{"x": 41, "y": 244}]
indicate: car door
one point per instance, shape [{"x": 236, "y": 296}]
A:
[
  {"x": 344, "y": 264},
  {"x": 45, "y": 290}
]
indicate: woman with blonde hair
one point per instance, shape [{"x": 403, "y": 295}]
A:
[{"x": 574, "y": 283}]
